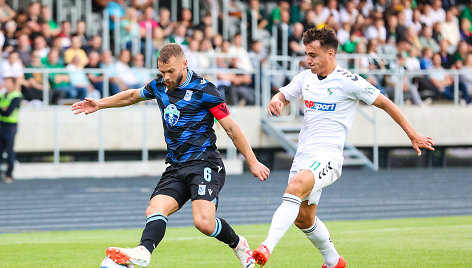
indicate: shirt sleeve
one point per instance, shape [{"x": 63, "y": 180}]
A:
[
  {"x": 360, "y": 89},
  {"x": 147, "y": 91},
  {"x": 213, "y": 101},
  {"x": 15, "y": 103},
  {"x": 293, "y": 91}
]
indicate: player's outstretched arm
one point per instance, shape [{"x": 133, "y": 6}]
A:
[
  {"x": 276, "y": 105},
  {"x": 417, "y": 140},
  {"x": 124, "y": 98},
  {"x": 240, "y": 141}
]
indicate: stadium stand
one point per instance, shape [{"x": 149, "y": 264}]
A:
[{"x": 239, "y": 45}]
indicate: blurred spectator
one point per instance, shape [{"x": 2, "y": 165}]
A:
[
  {"x": 348, "y": 13},
  {"x": 34, "y": 11},
  {"x": 12, "y": 67},
  {"x": 191, "y": 54},
  {"x": 298, "y": 9},
  {"x": 95, "y": 44},
  {"x": 45, "y": 17},
  {"x": 257, "y": 54},
  {"x": 59, "y": 81},
  {"x": 76, "y": 50},
  {"x": 65, "y": 34},
  {"x": 206, "y": 55},
  {"x": 179, "y": 36},
  {"x": 343, "y": 33},
  {"x": 40, "y": 45},
  {"x": 109, "y": 67},
  {"x": 116, "y": 11},
  {"x": 164, "y": 21},
  {"x": 426, "y": 61},
  {"x": 295, "y": 42},
  {"x": 445, "y": 82},
  {"x": 449, "y": 29},
  {"x": 437, "y": 12},
  {"x": 447, "y": 59},
  {"x": 2, "y": 41},
  {"x": 125, "y": 78},
  {"x": 22, "y": 19},
  {"x": 274, "y": 18},
  {"x": 79, "y": 80},
  {"x": 261, "y": 22},
  {"x": 95, "y": 78},
  {"x": 427, "y": 41},
  {"x": 57, "y": 45},
  {"x": 10, "y": 102},
  {"x": 411, "y": 36},
  {"x": 142, "y": 74},
  {"x": 466, "y": 32},
  {"x": 461, "y": 52},
  {"x": 242, "y": 88},
  {"x": 158, "y": 38},
  {"x": 81, "y": 32},
  {"x": 377, "y": 31},
  {"x": 142, "y": 4},
  {"x": 392, "y": 28},
  {"x": 6, "y": 13},
  {"x": 311, "y": 20},
  {"x": 147, "y": 19},
  {"x": 467, "y": 78},
  {"x": 283, "y": 27},
  {"x": 24, "y": 49},
  {"x": 466, "y": 13},
  {"x": 331, "y": 9},
  {"x": 416, "y": 22},
  {"x": 10, "y": 36},
  {"x": 186, "y": 18},
  {"x": 236, "y": 49},
  {"x": 129, "y": 27},
  {"x": 34, "y": 84}
]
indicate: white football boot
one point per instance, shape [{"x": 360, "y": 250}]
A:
[
  {"x": 139, "y": 256},
  {"x": 244, "y": 253}
]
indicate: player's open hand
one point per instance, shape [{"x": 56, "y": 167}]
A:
[
  {"x": 87, "y": 106},
  {"x": 275, "y": 107},
  {"x": 260, "y": 171},
  {"x": 420, "y": 141}
]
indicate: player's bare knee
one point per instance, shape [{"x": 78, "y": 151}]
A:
[
  {"x": 206, "y": 226},
  {"x": 299, "y": 187},
  {"x": 304, "y": 222}
]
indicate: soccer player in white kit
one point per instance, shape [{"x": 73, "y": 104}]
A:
[{"x": 331, "y": 95}]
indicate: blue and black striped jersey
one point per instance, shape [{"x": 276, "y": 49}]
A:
[{"x": 188, "y": 116}]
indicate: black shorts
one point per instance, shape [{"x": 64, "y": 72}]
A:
[{"x": 195, "y": 180}]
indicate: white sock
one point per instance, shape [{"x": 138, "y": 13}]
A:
[
  {"x": 283, "y": 218},
  {"x": 318, "y": 234}
]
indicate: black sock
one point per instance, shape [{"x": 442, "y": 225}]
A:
[
  {"x": 154, "y": 231},
  {"x": 225, "y": 233}
]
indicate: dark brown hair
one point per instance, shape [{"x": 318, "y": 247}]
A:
[
  {"x": 327, "y": 37},
  {"x": 169, "y": 51}
]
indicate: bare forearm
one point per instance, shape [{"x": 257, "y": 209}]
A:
[
  {"x": 242, "y": 144},
  {"x": 400, "y": 118},
  {"x": 279, "y": 96},
  {"x": 124, "y": 98}
]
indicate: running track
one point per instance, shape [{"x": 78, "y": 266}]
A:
[{"x": 89, "y": 203}]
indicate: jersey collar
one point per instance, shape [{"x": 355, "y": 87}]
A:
[{"x": 187, "y": 80}]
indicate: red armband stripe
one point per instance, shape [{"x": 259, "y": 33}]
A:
[{"x": 220, "y": 111}]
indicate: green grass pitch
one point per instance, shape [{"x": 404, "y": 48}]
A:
[{"x": 412, "y": 242}]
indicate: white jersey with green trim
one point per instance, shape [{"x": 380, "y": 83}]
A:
[{"x": 330, "y": 105}]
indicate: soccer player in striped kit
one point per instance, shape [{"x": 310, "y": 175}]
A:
[{"x": 189, "y": 104}]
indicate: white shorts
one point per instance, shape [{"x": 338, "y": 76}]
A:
[{"x": 326, "y": 170}]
